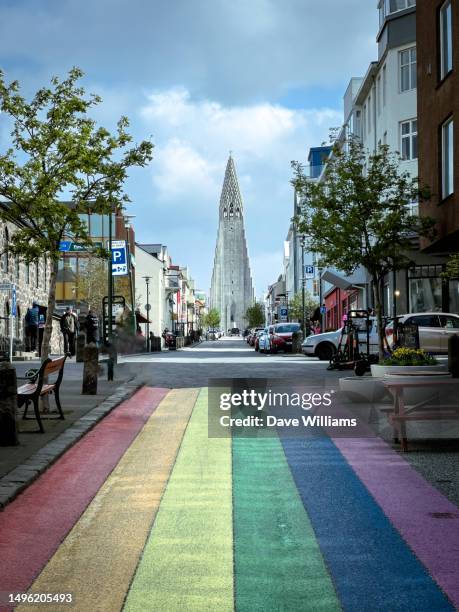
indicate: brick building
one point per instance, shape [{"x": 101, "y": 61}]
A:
[{"x": 438, "y": 117}]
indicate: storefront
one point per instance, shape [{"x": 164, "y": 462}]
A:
[{"x": 429, "y": 291}]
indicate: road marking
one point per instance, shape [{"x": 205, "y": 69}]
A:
[
  {"x": 187, "y": 563},
  {"x": 98, "y": 558},
  {"x": 278, "y": 563}
]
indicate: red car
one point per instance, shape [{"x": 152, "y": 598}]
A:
[
  {"x": 253, "y": 336},
  {"x": 281, "y": 336}
]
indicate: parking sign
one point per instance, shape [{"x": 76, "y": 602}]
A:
[
  {"x": 308, "y": 271},
  {"x": 119, "y": 258}
]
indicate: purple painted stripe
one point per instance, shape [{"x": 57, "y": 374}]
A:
[{"x": 410, "y": 503}]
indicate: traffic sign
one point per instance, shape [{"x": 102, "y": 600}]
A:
[
  {"x": 323, "y": 309},
  {"x": 119, "y": 258},
  {"x": 309, "y": 271},
  {"x": 147, "y": 307},
  {"x": 13, "y": 301},
  {"x": 283, "y": 313}
]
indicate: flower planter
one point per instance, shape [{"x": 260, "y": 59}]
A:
[
  {"x": 364, "y": 389},
  {"x": 379, "y": 371}
]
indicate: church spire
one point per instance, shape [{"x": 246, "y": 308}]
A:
[{"x": 231, "y": 205}]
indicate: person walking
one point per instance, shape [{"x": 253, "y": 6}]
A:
[
  {"x": 31, "y": 325},
  {"x": 92, "y": 327},
  {"x": 69, "y": 329}
]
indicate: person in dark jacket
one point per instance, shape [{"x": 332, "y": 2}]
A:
[
  {"x": 69, "y": 329},
  {"x": 31, "y": 325},
  {"x": 92, "y": 327}
]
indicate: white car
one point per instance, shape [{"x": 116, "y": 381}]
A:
[{"x": 325, "y": 345}]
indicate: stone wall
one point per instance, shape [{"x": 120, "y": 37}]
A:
[{"x": 32, "y": 283}]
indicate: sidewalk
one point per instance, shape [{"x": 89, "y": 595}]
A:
[{"x": 21, "y": 464}]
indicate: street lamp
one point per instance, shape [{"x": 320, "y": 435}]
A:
[
  {"x": 147, "y": 308},
  {"x": 302, "y": 242}
]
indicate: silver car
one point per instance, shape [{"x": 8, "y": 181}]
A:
[{"x": 435, "y": 329}]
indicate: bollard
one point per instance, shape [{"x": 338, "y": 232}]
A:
[
  {"x": 297, "y": 339},
  {"x": 8, "y": 405},
  {"x": 91, "y": 367},
  {"x": 453, "y": 355},
  {"x": 80, "y": 346}
]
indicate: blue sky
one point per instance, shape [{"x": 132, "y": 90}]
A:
[{"x": 262, "y": 78}]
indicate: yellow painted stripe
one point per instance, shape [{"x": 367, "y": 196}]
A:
[
  {"x": 187, "y": 564},
  {"x": 98, "y": 558}
]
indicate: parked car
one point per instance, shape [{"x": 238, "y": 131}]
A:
[
  {"x": 257, "y": 337},
  {"x": 252, "y": 336},
  {"x": 325, "y": 345},
  {"x": 281, "y": 336},
  {"x": 235, "y": 331},
  {"x": 435, "y": 329}
]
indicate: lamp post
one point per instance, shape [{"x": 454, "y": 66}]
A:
[
  {"x": 302, "y": 242},
  {"x": 147, "y": 308},
  {"x": 127, "y": 225},
  {"x": 110, "y": 279}
]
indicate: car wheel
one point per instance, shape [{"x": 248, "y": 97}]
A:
[{"x": 325, "y": 351}]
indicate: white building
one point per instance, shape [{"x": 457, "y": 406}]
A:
[{"x": 152, "y": 261}]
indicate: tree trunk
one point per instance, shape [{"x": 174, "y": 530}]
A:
[
  {"x": 46, "y": 344},
  {"x": 377, "y": 295}
]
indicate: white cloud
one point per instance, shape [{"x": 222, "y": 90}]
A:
[{"x": 193, "y": 138}]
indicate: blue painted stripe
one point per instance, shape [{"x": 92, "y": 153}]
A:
[{"x": 372, "y": 568}]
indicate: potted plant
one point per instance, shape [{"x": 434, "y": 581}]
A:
[{"x": 407, "y": 360}]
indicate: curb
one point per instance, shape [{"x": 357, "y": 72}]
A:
[{"x": 23, "y": 475}]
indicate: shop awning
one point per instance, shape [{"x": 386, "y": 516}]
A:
[{"x": 140, "y": 318}]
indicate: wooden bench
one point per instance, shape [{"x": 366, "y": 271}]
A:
[
  {"x": 37, "y": 387},
  {"x": 422, "y": 411}
]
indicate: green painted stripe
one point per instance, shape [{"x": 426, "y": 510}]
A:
[
  {"x": 278, "y": 563},
  {"x": 187, "y": 563}
]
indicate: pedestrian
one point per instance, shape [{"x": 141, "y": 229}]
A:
[
  {"x": 92, "y": 327},
  {"x": 152, "y": 335},
  {"x": 31, "y": 325},
  {"x": 69, "y": 329}
]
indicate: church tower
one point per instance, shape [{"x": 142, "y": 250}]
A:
[{"x": 231, "y": 292}]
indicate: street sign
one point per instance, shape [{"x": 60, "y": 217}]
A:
[
  {"x": 119, "y": 258},
  {"x": 283, "y": 313},
  {"x": 147, "y": 307},
  {"x": 323, "y": 310},
  {"x": 13, "y": 301},
  {"x": 64, "y": 246},
  {"x": 67, "y": 246},
  {"x": 308, "y": 271}
]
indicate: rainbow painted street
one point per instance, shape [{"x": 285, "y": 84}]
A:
[{"x": 149, "y": 513}]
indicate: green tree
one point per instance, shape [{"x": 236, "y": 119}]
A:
[
  {"x": 92, "y": 282},
  {"x": 358, "y": 215},
  {"x": 255, "y": 315},
  {"x": 58, "y": 152},
  {"x": 452, "y": 267},
  {"x": 212, "y": 318},
  {"x": 295, "y": 306}
]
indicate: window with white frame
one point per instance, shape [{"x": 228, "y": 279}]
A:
[
  {"x": 447, "y": 157},
  {"x": 407, "y": 65},
  {"x": 409, "y": 139},
  {"x": 364, "y": 121},
  {"x": 446, "y": 39},
  {"x": 378, "y": 94},
  {"x": 369, "y": 114},
  {"x": 384, "y": 85}
]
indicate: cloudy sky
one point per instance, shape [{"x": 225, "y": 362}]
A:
[{"x": 263, "y": 78}]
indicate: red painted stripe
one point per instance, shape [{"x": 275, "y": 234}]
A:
[{"x": 35, "y": 523}]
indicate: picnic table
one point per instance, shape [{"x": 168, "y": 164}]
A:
[{"x": 427, "y": 409}]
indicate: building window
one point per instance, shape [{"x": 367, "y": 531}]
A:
[
  {"x": 6, "y": 251},
  {"x": 37, "y": 273},
  {"x": 446, "y": 40},
  {"x": 407, "y": 63},
  {"x": 409, "y": 139},
  {"x": 378, "y": 94},
  {"x": 369, "y": 114},
  {"x": 384, "y": 85},
  {"x": 27, "y": 270},
  {"x": 17, "y": 268},
  {"x": 364, "y": 121},
  {"x": 447, "y": 154}
]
